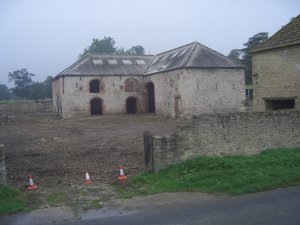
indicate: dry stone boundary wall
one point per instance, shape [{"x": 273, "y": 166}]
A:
[{"x": 223, "y": 134}]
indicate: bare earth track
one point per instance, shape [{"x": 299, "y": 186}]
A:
[{"x": 57, "y": 152}]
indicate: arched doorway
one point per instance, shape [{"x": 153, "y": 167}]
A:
[
  {"x": 151, "y": 100},
  {"x": 131, "y": 105},
  {"x": 96, "y": 106}
]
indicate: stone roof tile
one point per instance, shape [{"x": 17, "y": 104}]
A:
[{"x": 286, "y": 36}]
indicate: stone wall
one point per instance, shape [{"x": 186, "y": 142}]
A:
[
  {"x": 71, "y": 95},
  {"x": 199, "y": 91},
  {"x": 177, "y": 92},
  {"x": 276, "y": 74},
  {"x": 26, "y": 109},
  {"x": 224, "y": 134},
  {"x": 2, "y": 165}
]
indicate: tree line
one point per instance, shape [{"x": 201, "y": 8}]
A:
[{"x": 26, "y": 88}]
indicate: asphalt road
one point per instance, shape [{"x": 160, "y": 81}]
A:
[{"x": 279, "y": 207}]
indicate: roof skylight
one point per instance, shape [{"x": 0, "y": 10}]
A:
[
  {"x": 140, "y": 62},
  {"x": 112, "y": 61},
  {"x": 97, "y": 61},
  {"x": 126, "y": 61}
]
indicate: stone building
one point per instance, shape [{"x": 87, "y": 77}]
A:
[
  {"x": 191, "y": 79},
  {"x": 276, "y": 70}
]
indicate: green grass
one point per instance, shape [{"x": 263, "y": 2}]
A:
[
  {"x": 14, "y": 101},
  {"x": 57, "y": 199},
  {"x": 12, "y": 200},
  {"x": 230, "y": 174}
]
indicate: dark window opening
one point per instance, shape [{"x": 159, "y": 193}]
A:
[
  {"x": 177, "y": 105},
  {"x": 131, "y": 85},
  {"x": 95, "y": 86},
  {"x": 249, "y": 94},
  {"x": 96, "y": 106},
  {"x": 131, "y": 105},
  {"x": 280, "y": 104},
  {"x": 151, "y": 96}
]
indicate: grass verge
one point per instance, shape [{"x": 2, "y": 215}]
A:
[
  {"x": 14, "y": 101},
  {"x": 12, "y": 200},
  {"x": 230, "y": 174}
]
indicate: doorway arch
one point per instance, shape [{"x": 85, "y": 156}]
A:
[
  {"x": 151, "y": 97},
  {"x": 96, "y": 106},
  {"x": 131, "y": 106}
]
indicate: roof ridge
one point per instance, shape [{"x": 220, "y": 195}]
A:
[
  {"x": 188, "y": 56},
  {"x": 175, "y": 48},
  {"x": 220, "y": 54},
  {"x": 113, "y": 54},
  {"x": 195, "y": 42}
]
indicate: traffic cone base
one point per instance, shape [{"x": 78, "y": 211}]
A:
[
  {"x": 31, "y": 187},
  {"x": 122, "y": 176}
]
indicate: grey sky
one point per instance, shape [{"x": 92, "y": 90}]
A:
[{"x": 46, "y": 36}]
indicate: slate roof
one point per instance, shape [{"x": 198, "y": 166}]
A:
[
  {"x": 109, "y": 64},
  {"x": 286, "y": 36},
  {"x": 193, "y": 55}
]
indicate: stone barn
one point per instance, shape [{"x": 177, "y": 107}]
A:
[
  {"x": 276, "y": 70},
  {"x": 188, "y": 80}
]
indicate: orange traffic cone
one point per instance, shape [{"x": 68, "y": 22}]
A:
[
  {"x": 31, "y": 184},
  {"x": 122, "y": 176},
  {"x": 87, "y": 178}
]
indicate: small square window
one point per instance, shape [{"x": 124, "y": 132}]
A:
[{"x": 280, "y": 104}]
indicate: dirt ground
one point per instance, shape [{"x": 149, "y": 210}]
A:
[{"x": 57, "y": 152}]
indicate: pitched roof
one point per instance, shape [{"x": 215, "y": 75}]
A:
[
  {"x": 286, "y": 36},
  {"x": 194, "y": 55},
  {"x": 109, "y": 64}
]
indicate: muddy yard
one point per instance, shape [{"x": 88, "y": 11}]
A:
[{"x": 57, "y": 152}]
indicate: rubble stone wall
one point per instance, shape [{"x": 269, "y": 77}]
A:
[{"x": 225, "y": 134}]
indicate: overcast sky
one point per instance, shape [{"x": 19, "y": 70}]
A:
[{"x": 46, "y": 36}]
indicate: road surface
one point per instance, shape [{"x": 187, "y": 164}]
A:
[{"x": 278, "y": 207}]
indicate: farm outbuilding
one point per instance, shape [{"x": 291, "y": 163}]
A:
[{"x": 188, "y": 80}]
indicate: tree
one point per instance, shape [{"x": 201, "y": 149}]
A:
[
  {"x": 41, "y": 90},
  {"x": 235, "y": 55},
  {"x": 105, "y": 45},
  {"x": 48, "y": 87},
  {"x": 247, "y": 58},
  {"x": 4, "y": 92},
  {"x": 22, "y": 81},
  {"x": 243, "y": 55},
  {"x": 136, "y": 50}
]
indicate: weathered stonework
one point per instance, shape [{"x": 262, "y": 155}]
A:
[
  {"x": 276, "y": 74},
  {"x": 225, "y": 134},
  {"x": 197, "y": 91},
  {"x": 71, "y": 95},
  {"x": 2, "y": 165}
]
